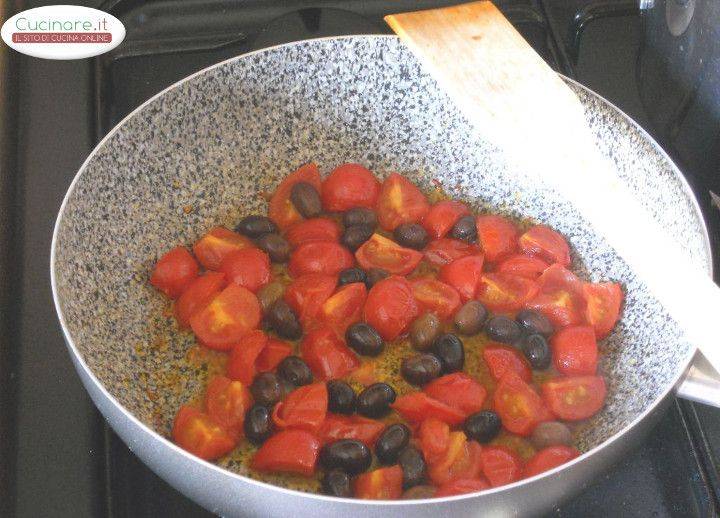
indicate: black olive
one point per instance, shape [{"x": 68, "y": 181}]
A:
[
  {"x": 420, "y": 369},
  {"x": 551, "y": 433},
  {"x": 470, "y": 318},
  {"x": 275, "y": 246},
  {"x": 306, "y": 199},
  {"x": 536, "y": 350},
  {"x": 360, "y": 216},
  {"x": 412, "y": 462},
  {"x": 503, "y": 329},
  {"x": 355, "y": 236},
  {"x": 424, "y": 330},
  {"x": 482, "y": 426},
  {"x": 258, "y": 424},
  {"x": 375, "y": 275},
  {"x": 465, "y": 229},
  {"x": 364, "y": 339},
  {"x": 255, "y": 226},
  {"x": 295, "y": 370},
  {"x": 411, "y": 235},
  {"x": 269, "y": 295},
  {"x": 352, "y": 275},
  {"x": 419, "y": 493},
  {"x": 375, "y": 400},
  {"x": 349, "y": 455},
  {"x": 391, "y": 442},
  {"x": 341, "y": 397},
  {"x": 449, "y": 348},
  {"x": 266, "y": 389},
  {"x": 337, "y": 483},
  {"x": 534, "y": 322},
  {"x": 282, "y": 319}
]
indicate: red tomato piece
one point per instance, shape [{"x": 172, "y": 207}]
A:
[
  {"x": 603, "y": 306},
  {"x": 350, "y": 427},
  {"x": 462, "y": 486},
  {"x": 198, "y": 295},
  {"x": 502, "y": 359},
  {"x": 462, "y": 459},
  {"x": 442, "y": 216},
  {"x": 228, "y": 317},
  {"x": 400, "y": 201},
  {"x": 212, "y": 248},
  {"x": 381, "y": 252},
  {"x": 320, "y": 257},
  {"x": 560, "y": 297},
  {"x": 549, "y": 458},
  {"x": 282, "y": 211},
  {"x": 503, "y": 292},
  {"x": 391, "y": 307},
  {"x": 243, "y": 356},
  {"x": 542, "y": 241},
  {"x": 500, "y": 465},
  {"x": 327, "y": 355},
  {"x": 344, "y": 308},
  {"x": 520, "y": 408},
  {"x": 436, "y": 296},
  {"x": 174, "y": 272},
  {"x": 227, "y": 401},
  {"x": 434, "y": 438},
  {"x": 498, "y": 236},
  {"x": 418, "y": 406},
  {"x": 523, "y": 266},
  {"x": 304, "y": 408},
  {"x": 445, "y": 250},
  {"x": 248, "y": 267},
  {"x": 201, "y": 435},
  {"x": 349, "y": 186},
  {"x": 574, "y": 350},
  {"x": 380, "y": 484},
  {"x": 272, "y": 354},
  {"x": 575, "y": 398},
  {"x": 307, "y": 293},
  {"x": 464, "y": 275},
  {"x": 315, "y": 229},
  {"x": 288, "y": 451},
  {"x": 459, "y": 391}
]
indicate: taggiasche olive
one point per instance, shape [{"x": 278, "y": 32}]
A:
[
  {"x": 391, "y": 442},
  {"x": 306, "y": 199},
  {"x": 411, "y": 235},
  {"x": 375, "y": 275},
  {"x": 449, "y": 348},
  {"x": 375, "y": 400},
  {"x": 269, "y": 295},
  {"x": 352, "y": 275},
  {"x": 354, "y": 237},
  {"x": 255, "y": 226},
  {"x": 419, "y": 492},
  {"x": 295, "y": 370},
  {"x": 258, "y": 424},
  {"x": 275, "y": 246},
  {"x": 537, "y": 351},
  {"x": 424, "y": 330},
  {"x": 349, "y": 455},
  {"x": 503, "y": 329},
  {"x": 360, "y": 216},
  {"x": 341, "y": 397},
  {"x": 551, "y": 433},
  {"x": 420, "y": 369},
  {"x": 470, "y": 318},
  {"x": 337, "y": 483},
  {"x": 283, "y": 320},
  {"x": 482, "y": 426},
  {"x": 465, "y": 229},
  {"x": 413, "y": 465},
  {"x": 266, "y": 389},
  {"x": 364, "y": 339},
  {"x": 534, "y": 322}
]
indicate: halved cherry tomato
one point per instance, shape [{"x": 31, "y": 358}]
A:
[
  {"x": 212, "y": 248},
  {"x": 272, "y": 354},
  {"x": 500, "y": 465},
  {"x": 344, "y": 308},
  {"x": 603, "y": 306},
  {"x": 418, "y": 406},
  {"x": 391, "y": 307},
  {"x": 307, "y": 293},
  {"x": 198, "y": 295},
  {"x": 442, "y": 216},
  {"x": 462, "y": 486},
  {"x": 575, "y": 398},
  {"x": 459, "y": 391},
  {"x": 542, "y": 241},
  {"x": 434, "y": 438},
  {"x": 381, "y": 252},
  {"x": 327, "y": 355},
  {"x": 436, "y": 296},
  {"x": 229, "y": 316},
  {"x": 174, "y": 272},
  {"x": 498, "y": 236},
  {"x": 200, "y": 434},
  {"x": 243, "y": 356},
  {"x": 320, "y": 257},
  {"x": 400, "y": 201},
  {"x": 549, "y": 458},
  {"x": 523, "y": 266},
  {"x": 226, "y": 402},
  {"x": 560, "y": 297},
  {"x": 380, "y": 484},
  {"x": 502, "y": 359},
  {"x": 315, "y": 229},
  {"x": 519, "y": 406},
  {"x": 350, "y": 427},
  {"x": 304, "y": 408},
  {"x": 503, "y": 292},
  {"x": 445, "y": 250},
  {"x": 574, "y": 350},
  {"x": 282, "y": 211},
  {"x": 288, "y": 451},
  {"x": 248, "y": 267},
  {"x": 464, "y": 275},
  {"x": 349, "y": 186},
  {"x": 365, "y": 374},
  {"x": 460, "y": 460}
]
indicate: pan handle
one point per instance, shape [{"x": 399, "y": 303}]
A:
[{"x": 701, "y": 383}]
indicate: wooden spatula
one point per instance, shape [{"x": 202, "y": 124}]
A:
[{"x": 518, "y": 103}]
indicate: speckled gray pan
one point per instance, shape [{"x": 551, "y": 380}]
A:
[{"x": 199, "y": 154}]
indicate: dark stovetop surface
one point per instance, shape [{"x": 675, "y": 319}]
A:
[{"x": 65, "y": 460}]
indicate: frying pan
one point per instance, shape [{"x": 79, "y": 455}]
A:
[{"x": 199, "y": 153}]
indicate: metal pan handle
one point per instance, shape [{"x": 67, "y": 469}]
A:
[{"x": 701, "y": 383}]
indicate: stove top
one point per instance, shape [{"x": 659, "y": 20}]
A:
[{"x": 65, "y": 459}]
